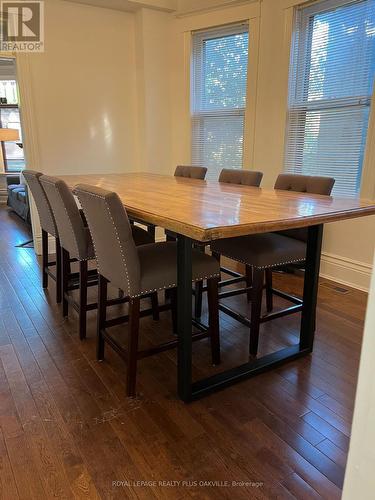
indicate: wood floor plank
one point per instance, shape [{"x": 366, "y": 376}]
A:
[
  {"x": 53, "y": 477},
  {"x": 325, "y": 428},
  {"x": 299, "y": 488},
  {"x": 333, "y": 452},
  {"x": 8, "y": 488}
]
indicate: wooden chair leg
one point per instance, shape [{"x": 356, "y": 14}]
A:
[
  {"x": 213, "y": 318},
  {"x": 102, "y": 315},
  {"x": 155, "y": 306},
  {"x": 65, "y": 279},
  {"x": 58, "y": 272},
  {"x": 198, "y": 296},
  {"x": 44, "y": 258},
  {"x": 133, "y": 346},
  {"x": 256, "y": 309},
  {"x": 269, "y": 294},
  {"x": 82, "y": 298},
  {"x": 173, "y": 297},
  {"x": 249, "y": 280}
]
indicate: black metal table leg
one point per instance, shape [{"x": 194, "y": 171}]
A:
[
  {"x": 189, "y": 390},
  {"x": 310, "y": 289},
  {"x": 184, "y": 316}
]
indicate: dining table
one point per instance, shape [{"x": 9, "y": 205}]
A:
[{"x": 203, "y": 211}]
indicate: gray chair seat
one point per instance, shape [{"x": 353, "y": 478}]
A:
[
  {"x": 159, "y": 269},
  {"x": 262, "y": 251}
]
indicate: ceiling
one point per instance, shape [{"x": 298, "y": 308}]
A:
[
  {"x": 179, "y": 6},
  {"x": 131, "y": 5}
]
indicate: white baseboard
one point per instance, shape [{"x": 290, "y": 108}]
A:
[{"x": 346, "y": 271}]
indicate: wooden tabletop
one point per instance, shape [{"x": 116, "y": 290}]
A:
[{"x": 208, "y": 210}]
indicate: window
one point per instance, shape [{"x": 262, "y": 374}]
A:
[
  {"x": 218, "y": 97},
  {"x": 13, "y": 156},
  {"x": 330, "y": 89}
]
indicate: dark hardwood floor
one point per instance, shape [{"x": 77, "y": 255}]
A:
[{"x": 68, "y": 431}]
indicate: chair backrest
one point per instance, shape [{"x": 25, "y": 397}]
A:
[
  {"x": 190, "y": 171},
  {"x": 46, "y": 217},
  {"x": 72, "y": 232},
  {"x": 241, "y": 176},
  {"x": 305, "y": 183},
  {"x": 116, "y": 253}
]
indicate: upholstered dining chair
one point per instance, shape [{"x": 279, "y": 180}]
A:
[
  {"x": 76, "y": 243},
  {"x": 242, "y": 177},
  {"x": 191, "y": 172},
  {"x": 138, "y": 271},
  {"x": 48, "y": 226},
  {"x": 267, "y": 252}
]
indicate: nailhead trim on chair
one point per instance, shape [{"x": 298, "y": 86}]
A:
[
  {"x": 49, "y": 215},
  {"x": 262, "y": 267},
  {"x": 70, "y": 224},
  {"x": 174, "y": 285},
  {"x": 119, "y": 241},
  {"x": 93, "y": 244},
  {"x": 74, "y": 237}
]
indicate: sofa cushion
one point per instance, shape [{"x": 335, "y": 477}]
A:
[
  {"x": 18, "y": 200},
  {"x": 12, "y": 187},
  {"x": 21, "y": 196}
]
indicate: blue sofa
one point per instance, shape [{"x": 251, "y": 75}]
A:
[{"x": 18, "y": 199}]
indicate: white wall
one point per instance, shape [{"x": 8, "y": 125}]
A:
[
  {"x": 84, "y": 90},
  {"x": 153, "y": 89},
  {"x": 360, "y": 478}
]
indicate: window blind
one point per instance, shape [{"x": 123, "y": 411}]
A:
[
  {"x": 330, "y": 89},
  {"x": 218, "y": 97}
]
